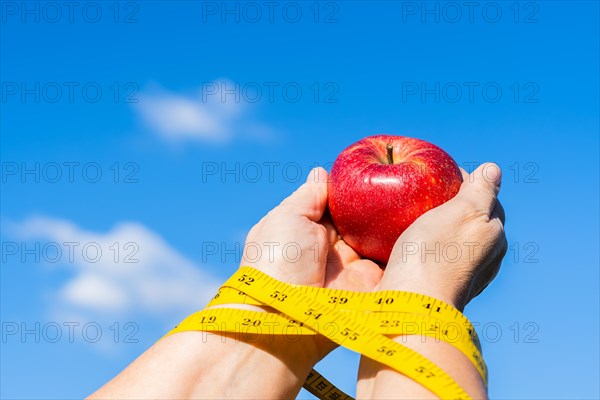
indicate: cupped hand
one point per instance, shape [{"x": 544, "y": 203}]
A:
[
  {"x": 297, "y": 243},
  {"x": 453, "y": 251}
]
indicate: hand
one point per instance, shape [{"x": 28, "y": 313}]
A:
[
  {"x": 450, "y": 253},
  {"x": 453, "y": 251},
  {"x": 346, "y": 269},
  {"x": 297, "y": 243}
]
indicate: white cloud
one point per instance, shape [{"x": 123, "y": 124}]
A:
[
  {"x": 205, "y": 116},
  {"x": 145, "y": 275},
  {"x": 95, "y": 292}
]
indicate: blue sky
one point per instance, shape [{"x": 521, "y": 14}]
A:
[{"x": 144, "y": 124}]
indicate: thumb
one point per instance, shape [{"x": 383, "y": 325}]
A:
[
  {"x": 481, "y": 187},
  {"x": 310, "y": 199}
]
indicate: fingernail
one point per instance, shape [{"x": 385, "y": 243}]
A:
[
  {"x": 313, "y": 176},
  {"x": 492, "y": 173}
]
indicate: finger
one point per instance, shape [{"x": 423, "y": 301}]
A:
[
  {"x": 346, "y": 253},
  {"x": 339, "y": 250},
  {"x": 490, "y": 271},
  {"x": 498, "y": 212},
  {"x": 465, "y": 174},
  {"x": 310, "y": 199},
  {"x": 482, "y": 186},
  {"x": 332, "y": 234}
]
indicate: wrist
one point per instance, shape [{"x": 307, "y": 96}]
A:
[
  {"x": 315, "y": 347},
  {"x": 379, "y": 381},
  {"x": 222, "y": 358},
  {"x": 428, "y": 286}
]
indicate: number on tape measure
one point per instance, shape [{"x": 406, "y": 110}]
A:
[
  {"x": 386, "y": 350},
  {"x": 385, "y": 300},
  {"x": 247, "y": 280},
  {"x": 426, "y": 373},
  {"x": 251, "y": 322},
  {"x": 313, "y": 313},
  {"x": 428, "y": 306},
  {"x": 279, "y": 296},
  {"x": 349, "y": 333},
  {"x": 337, "y": 300}
]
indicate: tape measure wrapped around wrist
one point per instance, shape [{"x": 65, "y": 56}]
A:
[{"x": 359, "y": 321}]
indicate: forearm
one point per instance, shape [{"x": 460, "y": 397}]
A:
[
  {"x": 378, "y": 381},
  {"x": 207, "y": 365}
]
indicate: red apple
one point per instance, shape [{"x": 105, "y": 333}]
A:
[{"x": 381, "y": 184}]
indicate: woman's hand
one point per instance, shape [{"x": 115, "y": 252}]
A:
[
  {"x": 297, "y": 243},
  {"x": 453, "y": 251}
]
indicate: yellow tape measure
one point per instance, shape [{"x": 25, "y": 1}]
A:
[
  {"x": 357, "y": 321},
  {"x": 323, "y": 389},
  {"x": 390, "y": 313}
]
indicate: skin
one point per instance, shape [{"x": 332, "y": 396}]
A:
[{"x": 203, "y": 365}]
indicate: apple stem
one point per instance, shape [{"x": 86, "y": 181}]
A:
[{"x": 390, "y": 153}]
